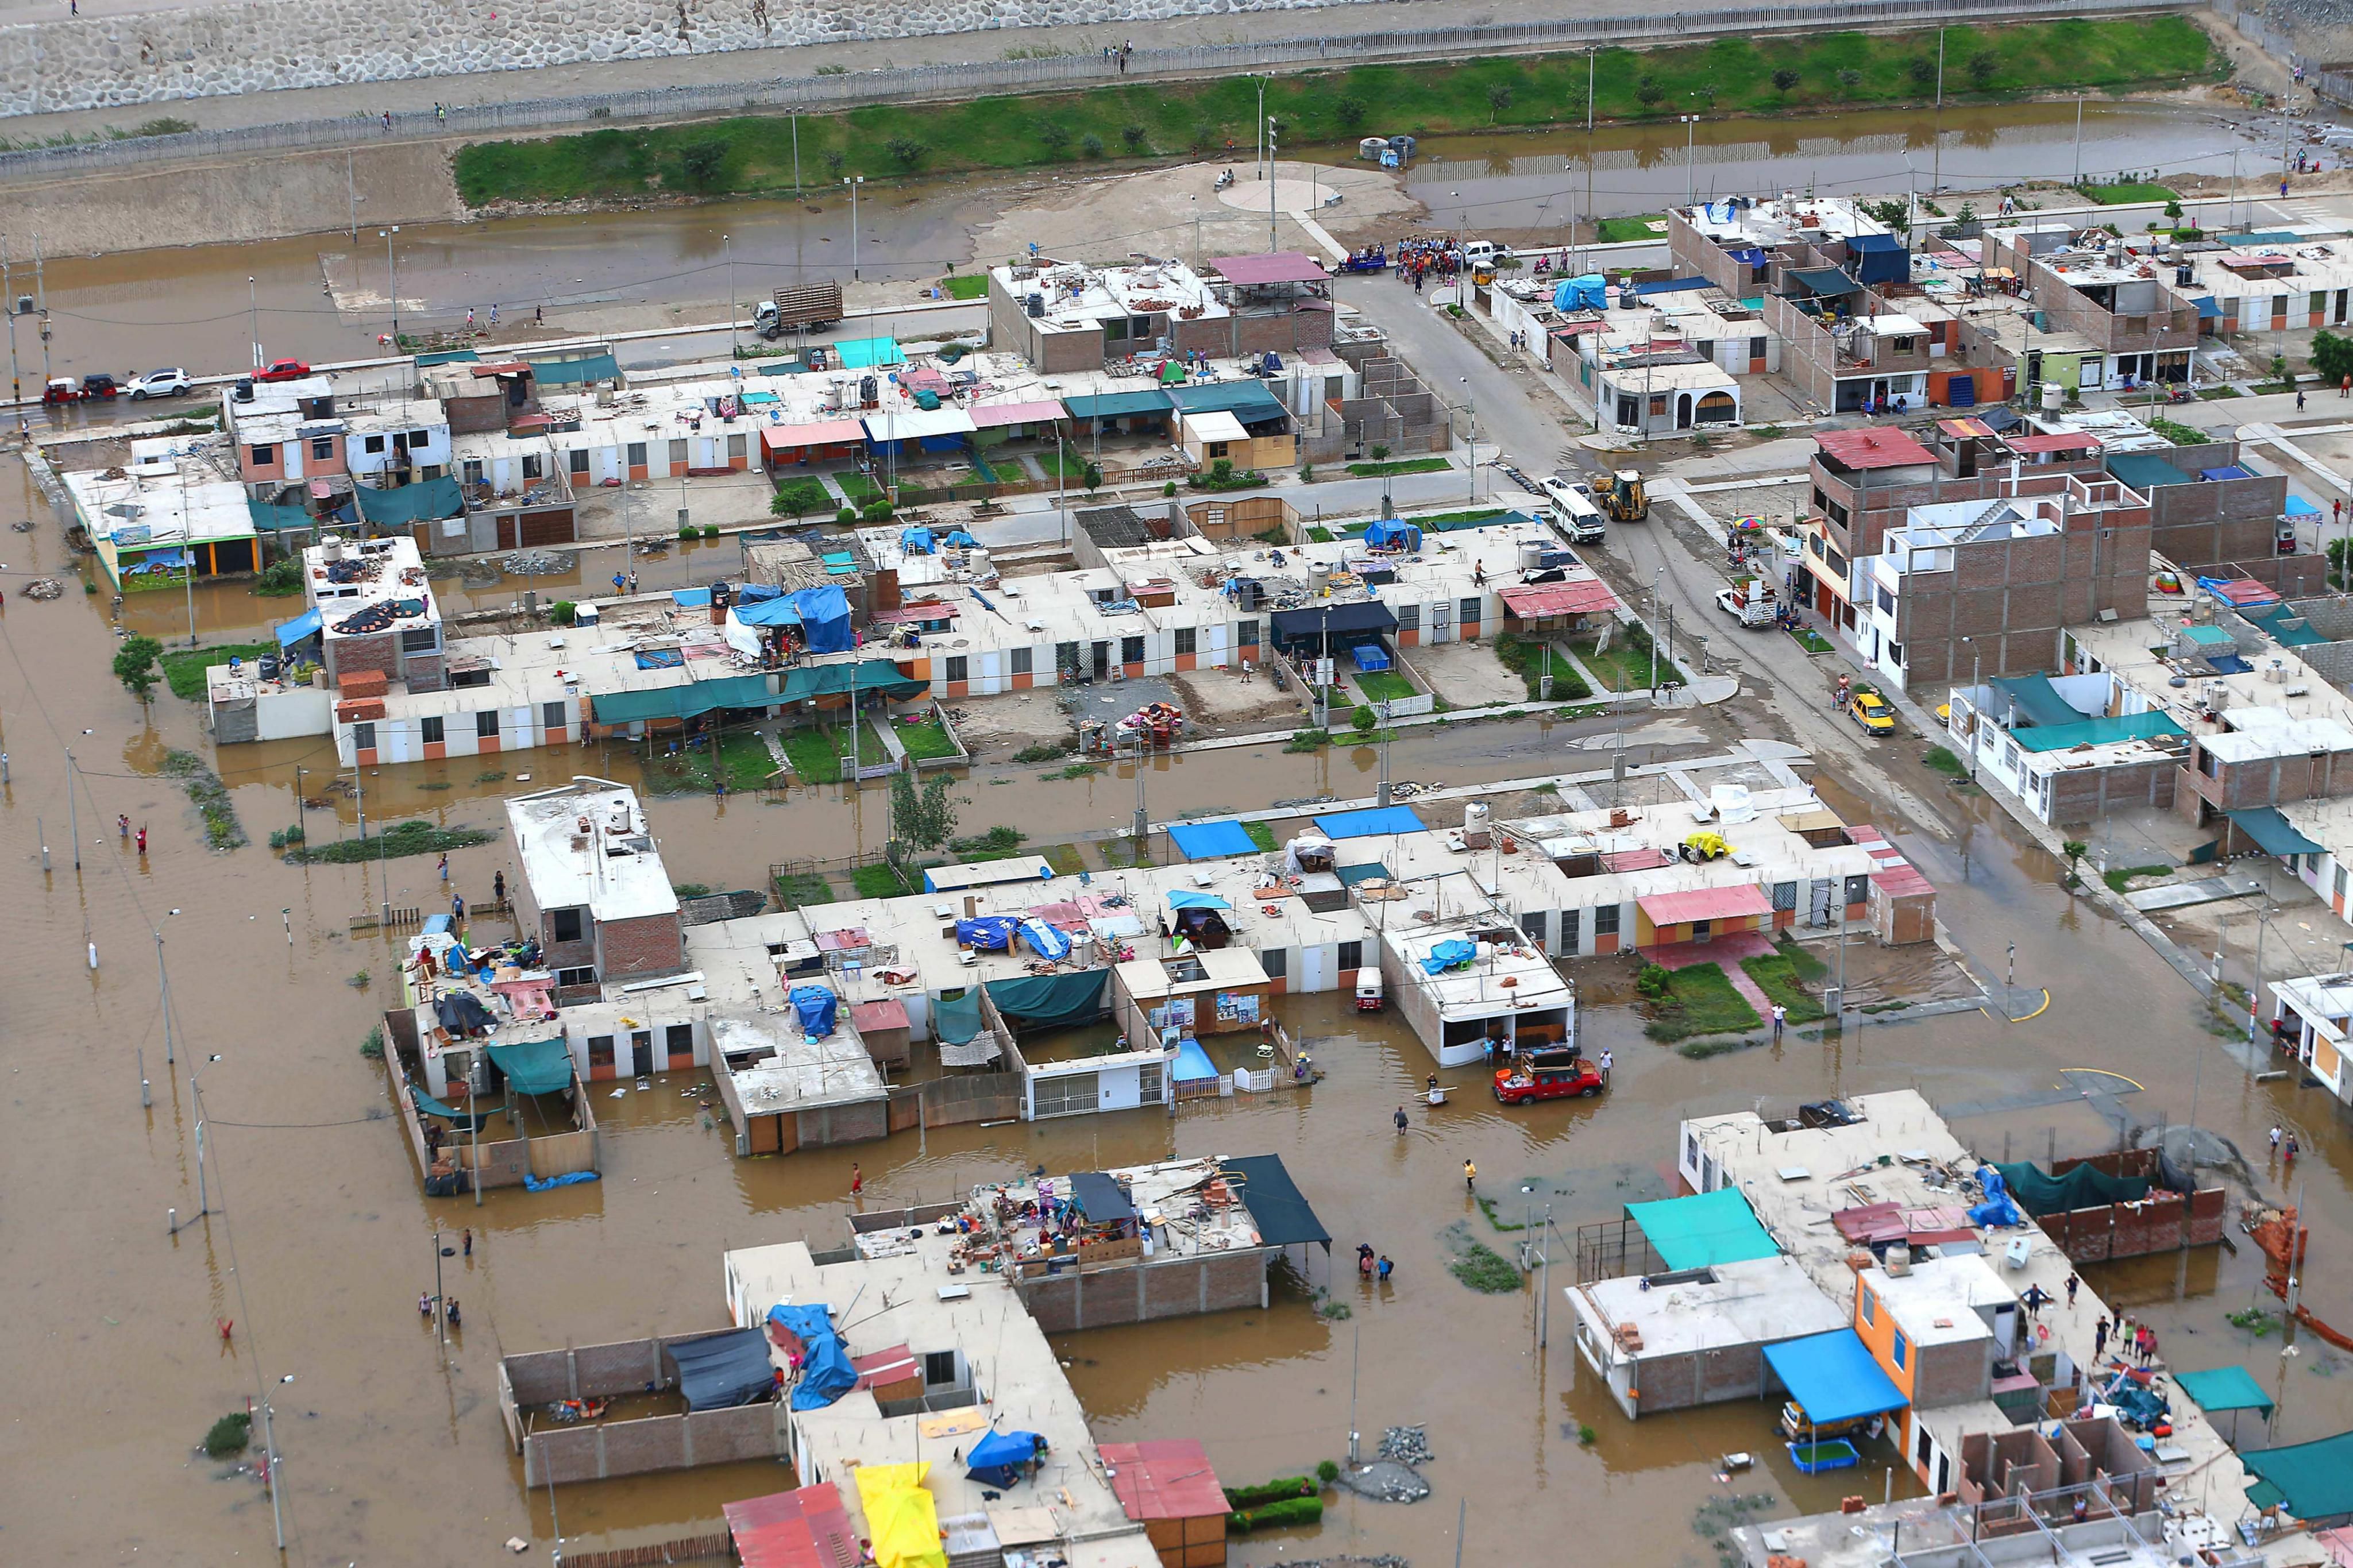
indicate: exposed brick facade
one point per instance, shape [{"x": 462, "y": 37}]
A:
[
  {"x": 640, "y": 947},
  {"x": 1163, "y": 1287},
  {"x": 380, "y": 654}
]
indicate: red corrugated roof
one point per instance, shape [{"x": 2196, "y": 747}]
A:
[
  {"x": 1880, "y": 447},
  {"x": 801, "y": 1529},
  {"x": 1577, "y": 597},
  {"x": 827, "y": 432},
  {"x": 1167, "y": 1479},
  {"x": 1269, "y": 267},
  {"x": 888, "y": 1014},
  {"x": 2073, "y": 442},
  {"x": 1903, "y": 881},
  {"x": 995, "y": 416},
  {"x": 1705, "y": 904},
  {"x": 894, "y": 1366}
]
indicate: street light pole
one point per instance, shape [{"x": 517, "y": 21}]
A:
[
  {"x": 1690, "y": 134},
  {"x": 727, "y": 251},
  {"x": 853, "y": 183},
  {"x": 392, "y": 280},
  {"x": 2079, "y": 141},
  {"x": 253, "y": 318},
  {"x": 1977, "y": 703},
  {"x": 1471, "y": 403},
  {"x": 1271, "y": 240}
]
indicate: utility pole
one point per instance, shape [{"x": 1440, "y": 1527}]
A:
[
  {"x": 440, "y": 1302},
  {"x": 392, "y": 280},
  {"x": 41, "y": 305},
  {"x": 253, "y": 318},
  {"x": 8, "y": 288},
  {"x": 1691, "y": 135},
  {"x": 2079, "y": 141},
  {"x": 163, "y": 989},
  {"x": 853, "y": 183},
  {"x": 1657, "y": 574},
  {"x": 270, "y": 1452},
  {"x": 797, "y": 155},
  {"x": 727, "y": 251},
  {"x": 1471, "y": 403},
  {"x": 1271, "y": 240},
  {"x": 1937, "y": 130}
]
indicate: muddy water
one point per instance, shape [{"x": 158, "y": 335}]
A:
[
  {"x": 395, "y": 1453},
  {"x": 326, "y": 296}
]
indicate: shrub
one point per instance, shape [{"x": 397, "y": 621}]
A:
[
  {"x": 230, "y": 1434},
  {"x": 562, "y": 611},
  {"x": 1093, "y": 478},
  {"x": 1054, "y": 136},
  {"x": 1651, "y": 982},
  {"x": 1648, "y": 91},
  {"x": 1090, "y": 145},
  {"x": 373, "y": 1046},
  {"x": 1290, "y": 1511},
  {"x": 1135, "y": 138},
  {"x": 710, "y": 530},
  {"x": 686, "y": 531},
  {"x": 135, "y": 665},
  {"x": 1363, "y": 719},
  {"x": 905, "y": 150},
  {"x": 1169, "y": 488},
  {"x": 877, "y": 511},
  {"x": 1380, "y": 450},
  {"x": 1923, "y": 72},
  {"x": 847, "y": 514},
  {"x": 1351, "y": 112},
  {"x": 1282, "y": 1488},
  {"x": 1326, "y": 1472},
  {"x": 1850, "y": 80},
  {"x": 1306, "y": 473},
  {"x": 835, "y": 158},
  {"x": 1982, "y": 67},
  {"x": 702, "y": 161},
  {"x": 280, "y": 578},
  {"x": 1786, "y": 80},
  {"x": 1499, "y": 98}
]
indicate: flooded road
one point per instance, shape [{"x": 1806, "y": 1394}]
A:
[
  {"x": 327, "y": 297},
  {"x": 393, "y": 1453}
]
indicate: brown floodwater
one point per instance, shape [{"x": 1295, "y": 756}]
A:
[
  {"x": 394, "y": 1452},
  {"x": 326, "y": 296}
]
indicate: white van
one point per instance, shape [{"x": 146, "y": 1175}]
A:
[{"x": 1573, "y": 511}]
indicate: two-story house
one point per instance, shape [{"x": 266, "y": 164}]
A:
[
  {"x": 594, "y": 889},
  {"x": 2106, "y": 318},
  {"x": 1939, "y": 1327},
  {"x": 285, "y": 434}
]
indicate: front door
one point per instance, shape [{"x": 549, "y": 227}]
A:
[
  {"x": 641, "y": 1052},
  {"x": 1315, "y": 969},
  {"x": 1103, "y": 661},
  {"x": 1818, "y": 909}
]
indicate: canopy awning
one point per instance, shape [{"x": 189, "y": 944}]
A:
[
  {"x": 1186, "y": 899},
  {"x": 2274, "y": 833},
  {"x": 995, "y": 415},
  {"x": 1117, "y": 405},
  {"x": 1099, "y": 1197},
  {"x": 1704, "y": 1229},
  {"x": 917, "y": 423},
  {"x": 1210, "y": 840},
  {"x": 305, "y": 625},
  {"x": 1738, "y": 902},
  {"x": 1281, "y": 1212},
  {"x": 535, "y": 1067},
  {"x": 1248, "y": 401},
  {"x": 1833, "y": 1377},
  {"x": 2224, "y": 1388},
  {"x": 690, "y": 700},
  {"x": 1370, "y": 822},
  {"x": 2314, "y": 1479},
  {"x": 825, "y": 433},
  {"x": 1358, "y": 615},
  {"x": 1215, "y": 425}
]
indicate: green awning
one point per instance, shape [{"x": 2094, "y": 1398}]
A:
[
  {"x": 2144, "y": 471},
  {"x": 1117, "y": 405},
  {"x": 432, "y": 1106},
  {"x": 1050, "y": 1001},
  {"x": 2224, "y": 1388},
  {"x": 267, "y": 519},
  {"x": 2094, "y": 732},
  {"x": 2037, "y": 701},
  {"x": 690, "y": 700},
  {"x": 1281, "y": 1211},
  {"x": 419, "y": 502},
  {"x": 1248, "y": 401},
  {"x": 1704, "y": 1229},
  {"x": 573, "y": 372},
  {"x": 2314, "y": 1479},
  {"x": 535, "y": 1067},
  {"x": 2272, "y": 833},
  {"x": 835, "y": 679}
]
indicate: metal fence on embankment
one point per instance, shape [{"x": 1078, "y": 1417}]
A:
[{"x": 1071, "y": 72}]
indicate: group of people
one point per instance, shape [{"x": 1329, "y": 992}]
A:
[
  {"x": 1117, "y": 55},
  {"x": 123, "y": 828},
  {"x": 2134, "y": 1342},
  {"x": 428, "y": 1303},
  {"x": 1435, "y": 256},
  {"x": 1371, "y": 1265},
  {"x": 2284, "y": 1147}
]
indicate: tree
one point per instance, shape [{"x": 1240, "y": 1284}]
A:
[
  {"x": 1136, "y": 137},
  {"x": 702, "y": 161},
  {"x": 1054, "y": 136},
  {"x": 2332, "y": 356},
  {"x": 1380, "y": 451},
  {"x": 1363, "y": 719},
  {"x": 1923, "y": 72},
  {"x": 921, "y": 818},
  {"x": 835, "y": 159},
  {"x": 1850, "y": 80},
  {"x": 2075, "y": 849},
  {"x": 2173, "y": 212},
  {"x": 1093, "y": 478},
  {"x": 1982, "y": 67},
  {"x": 905, "y": 150},
  {"x": 1352, "y": 112},
  {"x": 134, "y": 664},
  {"x": 1499, "y": 98},
  {"x": 1090, "y": 145},
  {"x": 1786, "y": 80},
  {"x": 1648, "y": 91}
]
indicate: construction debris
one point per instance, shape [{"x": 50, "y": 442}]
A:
[{"x": 1407, "y": 1444}]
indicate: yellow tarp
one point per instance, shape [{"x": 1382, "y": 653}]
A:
[{"x": 901, "y": 1519}]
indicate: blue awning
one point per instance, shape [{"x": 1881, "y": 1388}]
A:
[
  {"x": 2299, "y": 507},
  {"x": 2207, "y": 310},
  {"x": 1833, "y": 1377},
  {"x": 305, "y": 625},
  {"x": 1210, "y": 840},
  {"x": 2274, "y": 833},
  {"x": 1185, "y": 899},
  {"x": 690, "y": 598},
  {"x": 1370, "y": 822}
]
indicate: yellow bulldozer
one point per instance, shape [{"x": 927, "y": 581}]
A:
[{"x": 1620, "y": 496}]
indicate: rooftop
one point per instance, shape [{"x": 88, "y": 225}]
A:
[
  {"x": 368, "y": 587},
  {"x": 586, "y": 845},
  {"x": 1752, "y": 1302},
  {"x": 1076, "y": 296},
  {"x": 1935, "y": 1301}
]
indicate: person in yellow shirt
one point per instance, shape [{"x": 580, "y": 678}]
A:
[{"x": 1470, "y": 1177}]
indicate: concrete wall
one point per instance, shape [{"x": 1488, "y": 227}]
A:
[
  {"x": 2000, "y": 608},
  {"x": 1136, "y": 1293},
  {"x": 600, "y": 1450}
]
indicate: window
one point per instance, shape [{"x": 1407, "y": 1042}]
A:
[
  {"x": 1352, "y": 955},
  {"x": 1904, "y": 346},
  {"x": 364, "y": 737},
  {"x": 637, "y": 454},
  {"x": 957, "y": 668},
  {"x": 373, "y": 445},
  {"x": 1149, "y": 1078},
  {"x": 1903, "y": 1352},
  {"x": 1468, "y": 612},
  {"x": 552, "y": 715},
  {"x": 1605, "y": 920},
  {"x": 1131, "y": 650},
  {"x": 736, "y": 448},
  {"x": 578, "y": 459},
  {"x": 565, "y": 977},
  {"x": 432, "y": 724},
  {"x": 1186, "y": 642},
  {"x": 1069, "y": 1094},
  {"x": 1408, "y": 618},
  {"x": 1757, "y": 348},
  {"x": 1534, "y": 923},
  {"x": 1858, "y": 889},
  {"x": 600, "y": 1053},
  {"x": 1886, "y": 600},
  {"x": 534, "y": 466},
  {"x": 485, "y": 724},
  {"x": 264, "y": 457},
  {"x": 1630, "y": 410},
  {"x": 1870, "y": 1305},
  {"x": 322, "y": 447},
  {"x": 1785, "y": 895},
  {"x": 1658, "y": 403},
  {"x": 1021, "y": 660},
  {"x": 1926, "y": 1444},
  {"x": 676, "y": 456},
  {"x": 563, "y": 925},
  {"x": 470, "y": 471},
  {"x": 1246, "y": 635},
  {"x": 2340, "y": 882},
  {"x": 1691, "y": 1149},
  {"x": 939, "y": 1367},
  {"x": 419, "y": 439},
  {"x": 1568, "y": 933},
  {"x": 419, "y": 639},
  {"x": 1896, "y": 653},
  {"x": 1275, "y": 961}
]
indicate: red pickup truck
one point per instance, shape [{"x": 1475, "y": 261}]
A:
[{"x": 1548, "y": 1075}]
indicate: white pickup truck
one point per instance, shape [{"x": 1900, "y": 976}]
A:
[
  {"x": 1573, "y": 511},
  {"x": 1749, "y": 603}
]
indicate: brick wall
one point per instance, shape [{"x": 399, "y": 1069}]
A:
[
  {"x": 380, "y": 654},
  {"x": 1169, "y": 1287},
  {"x": 1669, "y": 1383},
  {"x": 1952, "y": 1373},
  {"x": 643, "y": 945},
  {"x": 861, "y": 1123},
  {"x": 556, "y": 954},
  {"x": 2011, "y": 596},
  {"x": 423, "y": 671},
  {"x": 2086, "y": 794},
  {"x": 605, "y": 1449},
  {"x": 1254, "y": 333}
]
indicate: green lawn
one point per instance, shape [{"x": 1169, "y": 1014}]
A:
[
  {"x": 797, "y": 887},
  {"x": 2132, "y": 193},
  {"x": 2120, "y": 878},
  {"x": 966, "y": 285},
  {"x": 1700, "y": 1000},
  {"x": 743, "y": 762},
  {"x": 1260, "y": 834},
  {"x": 1778, "y": 978},
  {"x": 1626, "y": 666},
  {"x": 1527, "y": 658},
  {"x": 857, "y": 487},
  {"x": 926, "y": 740},
  {"x": 184, "y": 669},
  {"x": 1619, "y": 230},
  {"x": 1726, "y": 76},
  {"x": 1381, "y": 686},
  {"x": 1813, "y": 641},
  {"x": 1478, "y": 514},
  {"x": 821, "y": 754},
  {"x": 416, "y": 836},
  {"x": 877, "y": 881},
  {"x": 1942, "y": 759},
  {"x": 1403, "y": 466},
  {"x": 1070, "y": 465},
  {"x": 803, "y": 497}
]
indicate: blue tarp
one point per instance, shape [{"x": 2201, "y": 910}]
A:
[
  {"x": 1590, "y": 293},
  {"x": 569, "y": 1179},
  {"x": 757, "y": 593},
  {"x": 690, "y": 598},
  {"x": 1185, "y": 899},
  {"x": 723, "y": 1371},
  {"x": 865, "y": 353},
  {"x": 2229, "y": 471},
  {"x": 448, "y": 356},
  {"x": 958, "y": 539},
  {"x": 1044, "y": 940},
  {"x": 1671, "y": 286},
  {"x": 777, "y": 612},
  {"x": 915, "y": 541},
  {"x": 826, "y": 1371},
  {"x": 2208, "y": 311},
  {"x": 1389, "y": 533},
  {"x": 1832, "y": 1377},
  {"x": 817, "y": 1007},
  {"x": 995, "y": 1459},
  {"x": 1880, "y": 259},
  {"x": 1210, "y": 840},
  {"x": 987, "y": 933},
  {"x": 1370, "y": 822},
  {"x": 824, "y": 618},
  {"x": 1997, "y": 1211},
  {"x": 1451, "y": 954},
  {"x": 305, "y": 625},
  {"x": 1050, "y": 1001},
  {"x": 1704, "y": 1229}
]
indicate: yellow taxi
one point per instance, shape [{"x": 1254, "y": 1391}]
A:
[{"x": 1870, "y": 710}]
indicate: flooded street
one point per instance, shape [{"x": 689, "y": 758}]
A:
[{"x": 320, "y": 1242}]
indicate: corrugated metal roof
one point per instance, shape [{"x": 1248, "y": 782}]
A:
[
  {"x": 1734, "y": 902},
  {"x": 1878, "y": 447},
  {"x": 1575, "y": 597}
]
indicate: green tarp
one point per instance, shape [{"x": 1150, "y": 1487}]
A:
[
  {"x": 2037, "y": 701},
  {"x": 1050, "y": 1001},
  {"x": 2094, "y": 732},
  {"x": 572, "y": 372},
  {"x": 419, "y": 502},
  {"x": 448, "y": 356},
  {"x": 2224, "y": 1388},
  {"x": 957, "y": 1020},
  {"x": 535, "y": 1067},
  {"x": 432, "y": 1106},
  {"x": 2314, "y": 1479},
  {"x": 267, "y": 519},
  {"x": 1281, "y": 1212},
  {"x": 2084, "y": 1187},
  {"x": 690, "y": 700},
  {"x": 1703, "y": 1230},
  {"x": 1248, "y": 401},
  {"x": 1117, "y": 405},
  {"x": 2145, "y": 471},
  {"x": 2272, "y": 831},
  {"x": 833, "y": 679}
]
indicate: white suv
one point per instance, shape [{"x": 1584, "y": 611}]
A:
[{"x": 160, "y": 384}]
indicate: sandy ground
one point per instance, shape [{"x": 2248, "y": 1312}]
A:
[
  {"x": 1219, "y": 702},
  {"x": 1468, "y": 675},
  {"x": 996, "y": 725}
]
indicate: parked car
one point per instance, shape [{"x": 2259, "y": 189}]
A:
[
  {"x": 61, "y": 389},
  {"x": 1749, "y": 602},
  {"x": 1870, "y": 710},
  {"x": 169, "y": 383},
  {"x": 100, "y": 386},
  {"x": 283, "y": 370},
  {"x": 1557, "y": 1074}
]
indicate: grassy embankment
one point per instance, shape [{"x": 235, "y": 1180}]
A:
[{"x": 753, "y": 154}]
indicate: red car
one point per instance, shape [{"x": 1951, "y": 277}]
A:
[
  {"x": 283, "y": 370},
  {"x": 1548, "y": 1075}
]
